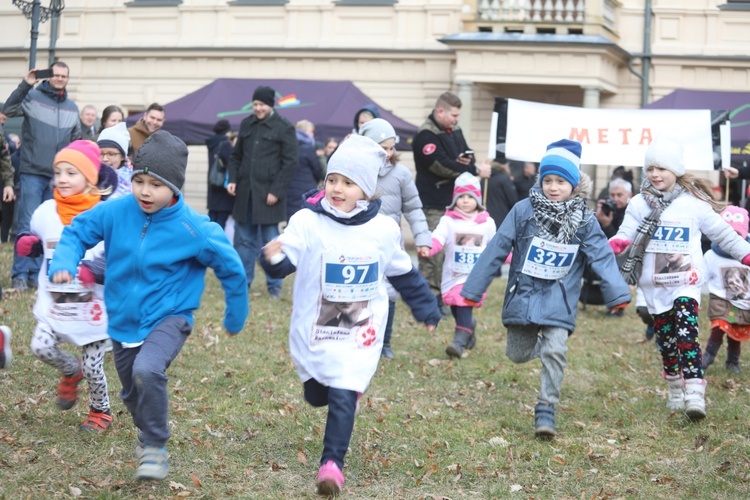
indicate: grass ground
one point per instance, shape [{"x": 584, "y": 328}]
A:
[{"x": 429, "y": 427}]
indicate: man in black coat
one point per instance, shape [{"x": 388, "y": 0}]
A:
[{"x": 260, "y": 170}]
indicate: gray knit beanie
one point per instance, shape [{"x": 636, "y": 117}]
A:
[
  {"x": 164, "y": 157},
  {"x": 378, "y": 130}
]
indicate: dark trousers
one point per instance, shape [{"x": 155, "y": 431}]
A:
[
  {"x": 342, "y": 405},
  {"x": 463, "y": 316},
  {"x": 219, "y": 216},
  {"x": 142, "y": 372},
  {"x": 7, "y": 220},
  {"x": 389, "y": 322}
]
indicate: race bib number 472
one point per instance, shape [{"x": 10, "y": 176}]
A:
[{"x": 670, "y": 237}]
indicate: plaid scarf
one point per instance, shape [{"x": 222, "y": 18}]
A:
[
  {"x": 633, "y": 266},
  {"x": 557, "y": 220}
]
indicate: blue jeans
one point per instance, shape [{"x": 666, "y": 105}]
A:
[
  {"x": 33, "y": 191},
  {"x": 342, "y": 405},
  {"x": 142, "y": 372},
  {"x": 249, "y": 238}
]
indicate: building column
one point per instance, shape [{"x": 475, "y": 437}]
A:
[
  {"x": 464, "y": 92},
  {"x": 591, "y": 97},
  {"x": 591, "y": 100}
]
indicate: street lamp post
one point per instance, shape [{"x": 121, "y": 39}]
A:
[{"x": 34, "y": 11}]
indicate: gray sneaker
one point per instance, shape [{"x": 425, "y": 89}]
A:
[
  {"x": 20, "y": 284},
  {"x": 153, "y": 463}
]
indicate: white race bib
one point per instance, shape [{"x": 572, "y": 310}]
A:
[
  {"x": 349, "y": 278},
  {"x": 549, "y": 260},
  {"x": 670, "y": 237},
  {"x": 464, "y": 258}
]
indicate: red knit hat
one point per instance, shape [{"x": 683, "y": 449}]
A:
[{"x": 85, "y": 156}]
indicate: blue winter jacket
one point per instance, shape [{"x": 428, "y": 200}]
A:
[
  {"x": 156, "y": 264},
  {"x": 535, "y": 301}
]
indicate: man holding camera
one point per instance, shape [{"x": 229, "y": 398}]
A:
[
  {"x": 610, "y": 212},
  {"x": 440, "y": 155},
  {"x": 50, "y": 123}
]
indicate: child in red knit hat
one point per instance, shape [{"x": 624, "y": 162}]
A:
[{"x": 72, "y": 312}]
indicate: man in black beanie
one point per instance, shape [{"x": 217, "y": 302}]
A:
[{"x": 260, "y": 170}]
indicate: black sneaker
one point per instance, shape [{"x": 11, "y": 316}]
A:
[{"x": 615, "y": 313}]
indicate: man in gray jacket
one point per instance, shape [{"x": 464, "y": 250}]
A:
[
  {"x": 50, "y": 123},
  {"x": 261, "y": 167}
]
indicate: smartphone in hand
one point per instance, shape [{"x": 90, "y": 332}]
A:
[
  {"x": 467, "y": 153},
  {"x": 43, "y": 74}
]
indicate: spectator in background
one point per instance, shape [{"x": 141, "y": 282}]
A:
[
  {"x": 364, "y": 115},
  {"x": 328, "y": 148},
  {"x": 111, "y": 116},
  {"x": 88, "y": 123},
  {"x": 610, "y": 211},
  {"x": 260, "y": 170},
  {"x": 149, "y": 123},
  {"x": 9, "y": 212},
  {"x": 218, "y": 201},
  {"x": 6, "y": 187},
  {"x": 500, "y": 191},
  {"x": 50, "y": 123},
  {"x": 618, "y": 173},
  {"x": 309, "y": 170},
  {"x": 525, "y": 181},
  {"x": 114, "y": 143}
]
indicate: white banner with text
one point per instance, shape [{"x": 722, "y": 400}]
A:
[{"x": 607, "y": 136}]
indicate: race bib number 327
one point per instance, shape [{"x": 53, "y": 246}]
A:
[{"x": 549, "y": 260}]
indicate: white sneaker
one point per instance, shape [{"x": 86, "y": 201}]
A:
[
  {"x": 676, "y": 396},
  {"x": 695, "y": 398}
]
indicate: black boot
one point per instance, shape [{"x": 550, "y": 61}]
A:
[
  {"x": 733, "y": 362},
  {"x": 709, "y": 353},
  {"x": 460, "y": 339},
  {"x": 473, "y": 337}
]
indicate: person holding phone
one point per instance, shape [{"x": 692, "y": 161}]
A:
[{"x": 51, "y": 122}]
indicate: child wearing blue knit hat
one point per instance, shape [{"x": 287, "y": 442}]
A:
[{"x": 553, "y": 237}]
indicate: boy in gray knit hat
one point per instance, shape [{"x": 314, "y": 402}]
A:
[{"x": 158, "y": 249}]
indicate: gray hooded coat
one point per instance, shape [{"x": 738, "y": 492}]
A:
[{"x": 535, "y": 301}]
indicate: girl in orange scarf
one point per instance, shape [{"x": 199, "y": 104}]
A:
[{"x": 72, "y": 312}]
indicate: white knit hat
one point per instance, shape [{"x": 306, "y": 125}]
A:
[
  {"x": 359, "y": 159},
  {"x": 666, "y": 153},
  {"x": 116, "y": 136},
  {"x": 467, "y": 184}
]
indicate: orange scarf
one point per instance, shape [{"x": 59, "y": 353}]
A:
[{"x": 69, "y": 207}]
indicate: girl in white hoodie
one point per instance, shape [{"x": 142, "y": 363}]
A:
[{"x": 664, "y": 224}]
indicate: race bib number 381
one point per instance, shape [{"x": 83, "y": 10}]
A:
[
  {"x": 549, "y": 260},
  {"x": 350, "y": 278}
]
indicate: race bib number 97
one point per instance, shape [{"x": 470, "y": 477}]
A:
[
  {"x": 549, "y": 260},
  {"x": 350, "y": 279}
]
